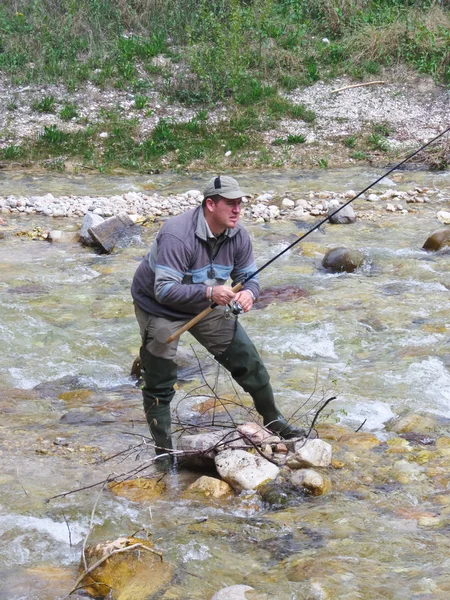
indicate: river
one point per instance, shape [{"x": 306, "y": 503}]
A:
[{"x": 378, "y": 339}]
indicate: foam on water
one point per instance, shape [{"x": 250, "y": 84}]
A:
[
  {"x": 309, "y": 343},
  {"x": 431, "y": 380}
]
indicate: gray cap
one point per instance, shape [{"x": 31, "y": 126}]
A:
[{"x": 224, "y": 186}]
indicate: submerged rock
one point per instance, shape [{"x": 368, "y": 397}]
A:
[
  {"x": 437, "y": 240},
  {"x": 129, "y": 569},
  {"x": 311, "y": 481},
  {"x": 209, "y": 487},
  {"x": 342, "y": 259},
  {"x": 238, "y": 592}
]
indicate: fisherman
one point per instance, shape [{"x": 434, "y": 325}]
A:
[{"x": 186, "y": 270}]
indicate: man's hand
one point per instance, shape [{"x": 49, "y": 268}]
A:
[
  {"x": 223, "y": 294},
  {"x": 245, "y": 299}
]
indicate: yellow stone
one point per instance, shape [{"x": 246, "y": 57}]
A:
[
  {"x": 138, "y": 490},
  {"x": 328, "y": 431},
  {"x": 362, "y": 440},
  {"x": 135, "y": 574},
  {"x": 210, "y": 487},
  {"x": 75, "y": 395}
]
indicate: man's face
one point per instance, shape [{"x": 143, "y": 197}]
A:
[{"x": 222, "y": 214}]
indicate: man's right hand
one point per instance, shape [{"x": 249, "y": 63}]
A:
[{"x": 222, "y": 294}]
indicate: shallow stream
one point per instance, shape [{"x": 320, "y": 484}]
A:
[{"x": 377, "y": 339}]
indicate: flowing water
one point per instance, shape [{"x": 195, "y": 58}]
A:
[{"x": 377, "y": 339}]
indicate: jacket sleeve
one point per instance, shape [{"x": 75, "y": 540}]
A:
[
  {"x": 171, "y": 265},
  {"x": 244, "y": 264}
]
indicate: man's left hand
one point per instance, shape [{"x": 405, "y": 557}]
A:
[{"x": 245, "y": 299}]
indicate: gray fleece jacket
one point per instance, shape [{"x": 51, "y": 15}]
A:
[{"x": 186, "y": 257}]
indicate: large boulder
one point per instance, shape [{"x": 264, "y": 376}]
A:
[
  {"x": 437, "y": 240},
  {"x": 342, "y": 259}
]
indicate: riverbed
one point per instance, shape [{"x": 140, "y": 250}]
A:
[{"x": 377, "y": 339}]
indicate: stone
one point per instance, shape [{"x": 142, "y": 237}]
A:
[
  {"x": 443, "y": 216},
  {"x": 210, "y": 487},
  {"x": 437, "y": 240},
  {"x": 243, "y": 470},
  {"x": 311, "y": 481},
  {"x": 237, "y": 592},
  {"x": 90, "y": 219},
  {"x": 254, "y": 432},
  {"x": 360, "y": 439},
  {"x": 342, "y": 259},
  {"x": 313, "y": 453},
  {"x": 135, "y": 574},
  {"x": 138, "y": 490},
  {"x": 344, "y": 216}
]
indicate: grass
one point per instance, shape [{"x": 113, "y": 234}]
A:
[{"x": 239, "y": 53}]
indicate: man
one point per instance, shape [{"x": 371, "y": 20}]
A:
[{"x": 192, "y": 257}]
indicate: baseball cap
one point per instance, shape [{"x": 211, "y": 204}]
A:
[{"x": 225, "y": 186}]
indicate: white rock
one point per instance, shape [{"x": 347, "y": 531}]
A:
[
  {"x": 233, "y": 592},
  {"x": 443, "y": 216},
  {"x": 245, "y": 471},
  {"x": 288, "y": 203},
  {"x": 390, "y": 207},
  {"x": 373, "y": 198},
  {"x": 313, "y": 453}
]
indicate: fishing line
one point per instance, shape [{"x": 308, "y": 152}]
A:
[
  {"x": 320, "y": 223},
  {"x": 164, "y": 334}
]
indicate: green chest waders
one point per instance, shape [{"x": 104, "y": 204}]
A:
[
  {"x": 160, "y": 376},
  {"x": 243, "y": 361}
]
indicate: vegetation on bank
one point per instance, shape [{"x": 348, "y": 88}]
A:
[{"x": 245, "y": 53}]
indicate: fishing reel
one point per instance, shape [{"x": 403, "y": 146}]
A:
[{"x": 233, "y": 308}]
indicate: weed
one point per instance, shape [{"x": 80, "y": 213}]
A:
[
  {"x": 44, "y": 105},
  {"x": 359, "y": 155},
  {"x": 140, "y": 101},
  {"x": 323, "y": 163},
  {"x": 12, "y": 105},
  {"x": 69, "y": 111},
  {"x": 12, "y": 152},
  {"x": 291, "y": 139},
  {"x": 350, "y": 141},
  {"x": 378, "y": 142}
]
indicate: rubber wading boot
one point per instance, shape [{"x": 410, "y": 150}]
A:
[
  {"x": 243, "y": 361},
  {"x": 160, "y": 376}
]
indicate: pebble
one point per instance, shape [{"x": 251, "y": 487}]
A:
[{"x": 257, "y": 208}]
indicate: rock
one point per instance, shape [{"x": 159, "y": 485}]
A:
[
  {"x": 313, "y": 453},
  {"x": 311, "y": 481},
  {"x": 89, "y": 220},
  {"x": 107, "y": 233},
  {"x": 138, "y": 490},
  {"x": 437, "y": 240},
  {"x": 360, "y": 439},
  {"x": 443, "y": 216},
  {"x": 254, "y": 432},
  {"x": 134, "y": 574},
  {"x": 210, "y": 487},
  {"x": 342, "y": 259},
  {"x": 237, "y": 592},
  {"x": 344, "y": 216},
  {"x": 419, "y": 423},
  {"x": 243, "y": 470},
  {"x": 200, "y": 449}
]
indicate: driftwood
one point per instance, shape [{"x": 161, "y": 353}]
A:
[{"x": 355, "y": 85}]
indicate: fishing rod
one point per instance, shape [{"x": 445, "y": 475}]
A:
[{"x": 237, "y": 287}]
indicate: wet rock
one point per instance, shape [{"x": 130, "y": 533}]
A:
[
  {"x": 330, "y": 431},
  {"x": 422, "y": 423},
  {"x": 210, "y": 487},
  {"x": 52, "y": 389},
  {"x": 279, "y": 293},
  {"x": 86, "y": 418},
  {"x": 437, "y": 240},
  {"x": 130, "y": 569},
  {"x": 138, "y": 490},
  {"x": 238, "y": 592},
  {"x": 107, "y": 233},
  {"x": 313, "y": 453},
  {"x": 342, "y": 259},
  {"x": 344, "y": 216},
  {"x": 199, "y": 450},
  {"x": 245, "y": 471},
  {"x": 279, "y": 495},
  {"x": 90, "y": 220},
  {"x": 360, "y": 439},
  {"x": 311, "y": 481}
]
